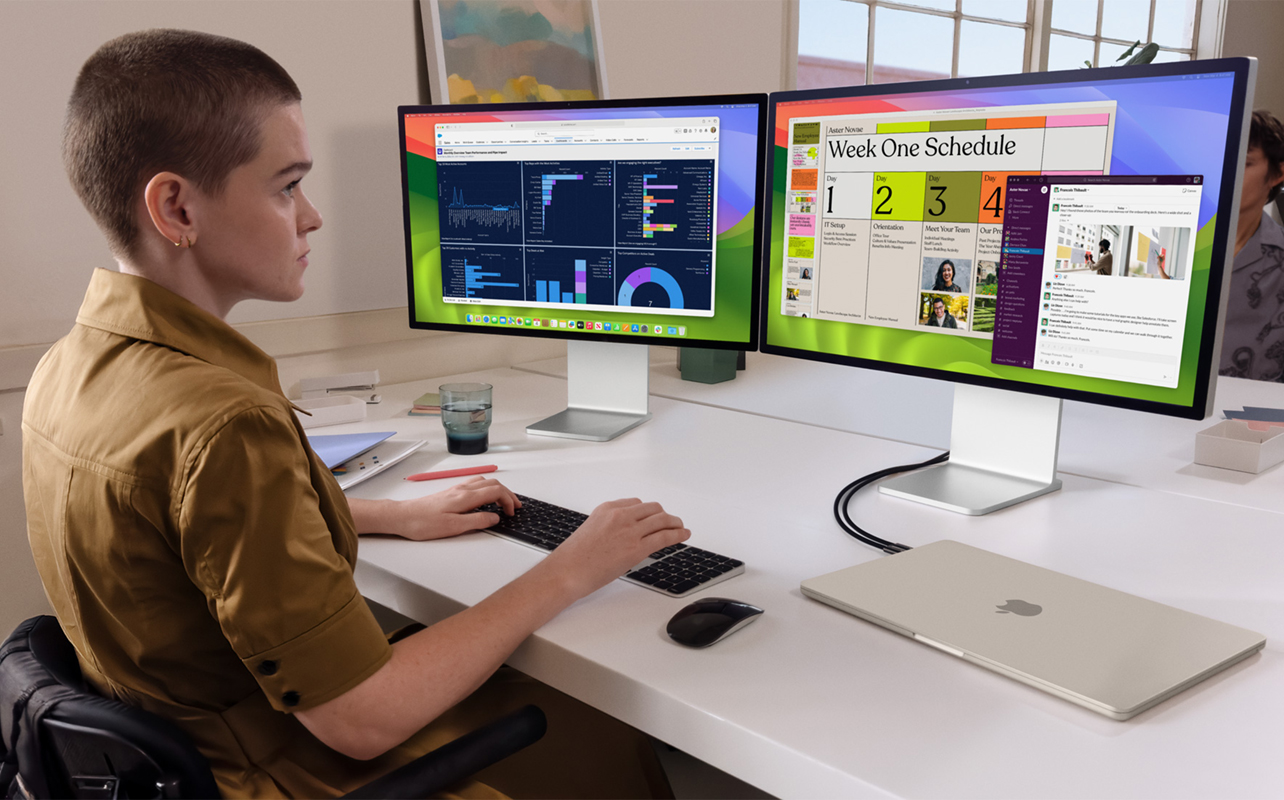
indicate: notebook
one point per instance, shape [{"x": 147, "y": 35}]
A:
[
  {"x": 335, "y": 448},
  {"x": 1108, "y": 651}
]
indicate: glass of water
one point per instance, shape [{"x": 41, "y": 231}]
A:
[{"x": 465, "y": 413}]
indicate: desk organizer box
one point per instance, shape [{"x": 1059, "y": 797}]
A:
[{"x": 1234, "y": 444}]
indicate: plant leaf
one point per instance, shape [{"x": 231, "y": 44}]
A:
[
  {"x": 1128, "y": 52},
  {"x": 1145, "y": 55}
]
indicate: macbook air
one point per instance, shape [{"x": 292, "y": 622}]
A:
[{"x": 1111, "y": 652}]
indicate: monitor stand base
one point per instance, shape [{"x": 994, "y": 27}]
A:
[
  {"x": 607, "y": 386},
  {"x": 1003, "y": 451},
  {"x": 587, "y": 424},
  {"x": 965, "y": 490}
]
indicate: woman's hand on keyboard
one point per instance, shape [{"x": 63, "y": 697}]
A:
[
  {"x": 615, "y": 537},
  {"x": 449, "y": 512}
]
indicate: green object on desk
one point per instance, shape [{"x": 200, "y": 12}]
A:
[{"x": 708, "y": 366}]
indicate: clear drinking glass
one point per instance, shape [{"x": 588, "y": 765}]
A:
[{"x": 465, "y": 413}]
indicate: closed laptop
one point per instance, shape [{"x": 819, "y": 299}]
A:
[{"x": 1109, "y": 651}]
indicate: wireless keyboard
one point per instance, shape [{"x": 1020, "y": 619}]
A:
[{"x": 677, "y": 570}]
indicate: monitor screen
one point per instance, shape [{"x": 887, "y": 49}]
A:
[
  {"x": 633, "y": 221},
  {"x": 1056, "y": 233}
]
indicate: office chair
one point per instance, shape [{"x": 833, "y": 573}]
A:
[{"x": 59, "y": 739}]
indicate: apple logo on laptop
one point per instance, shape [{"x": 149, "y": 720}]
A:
[{"x": 1019, "y": 607}]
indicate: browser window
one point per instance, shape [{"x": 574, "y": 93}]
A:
[{"x": 591, "y": 214}]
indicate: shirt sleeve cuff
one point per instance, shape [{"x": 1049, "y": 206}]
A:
[{"x": 323, "y": 663}]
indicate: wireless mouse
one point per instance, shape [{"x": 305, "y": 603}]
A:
[{"x": 710, "y": 620}]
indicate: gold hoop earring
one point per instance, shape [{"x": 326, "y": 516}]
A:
[{"x": 190, "y": 243}]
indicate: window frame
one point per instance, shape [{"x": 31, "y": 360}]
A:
[{"x": 1206, "y": 38}]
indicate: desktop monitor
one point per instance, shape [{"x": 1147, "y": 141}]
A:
[
  {"x": 1031, "y": 238},
  {"x": 610, "y": 224}
]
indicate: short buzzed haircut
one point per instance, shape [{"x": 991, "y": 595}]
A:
[
  {"x": 165, "y": 100},
  {"x": 1267, "y": 133}
]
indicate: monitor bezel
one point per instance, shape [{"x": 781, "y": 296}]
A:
[
  {"x": 1232, "y": 170},
  {"x": 756, "y": 284}
]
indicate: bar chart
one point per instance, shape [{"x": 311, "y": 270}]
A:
[
  {"x": 665, "y": 203},
  {"x": 568, "y": 203},
  {"x": 489, "y": 273},
  {"x": 570, "y": 276},
  {"x": 649, "y": 203}
]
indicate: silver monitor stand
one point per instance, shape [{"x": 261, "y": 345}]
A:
[
  {"x": 1003, "y": 450},
  {"x": 606, "y": 392}
]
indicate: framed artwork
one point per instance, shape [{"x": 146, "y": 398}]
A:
[{"x": 513, "y": 51}]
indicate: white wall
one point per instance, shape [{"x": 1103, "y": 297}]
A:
[
  {"x": 1256, "y": 28},
  {"x": 355, "y": 61},
  {"x": 656, "y": 48}
]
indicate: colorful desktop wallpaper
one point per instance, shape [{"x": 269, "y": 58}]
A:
[
  {"x": 738, "y": 185},
  {"x": 1169, "y": 125}
]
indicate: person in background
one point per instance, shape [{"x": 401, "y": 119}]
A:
[
  {"x": 197, "y": 553},
  {"x": 1253, "y": 337},
  {"x": 1105, "y": 266}
]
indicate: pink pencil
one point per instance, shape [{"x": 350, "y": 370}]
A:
[{"x": 452, "y": 473}]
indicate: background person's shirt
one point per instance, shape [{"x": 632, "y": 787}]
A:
[
  {"x": 1253, "y": 338},
  {"x": 1106, "y": 265}
]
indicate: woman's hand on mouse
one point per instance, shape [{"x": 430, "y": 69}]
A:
[{"x": 615, "y": 537}]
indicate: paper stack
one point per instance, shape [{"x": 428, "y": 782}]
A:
[{"x": 428, "y": 405}]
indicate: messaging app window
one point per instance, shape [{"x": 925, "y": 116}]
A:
[{"x": 1094, "y": 277}]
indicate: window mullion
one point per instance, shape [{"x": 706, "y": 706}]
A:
[
  {"x": 869, "y": 45},
  {"x": 1096, "y": 39},
  {"x": 958, "y": 32}
]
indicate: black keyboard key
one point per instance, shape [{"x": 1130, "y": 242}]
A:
[{"x": 683, "y": 587}]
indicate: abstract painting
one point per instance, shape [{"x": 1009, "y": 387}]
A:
[{"x": 513, "y": 51}]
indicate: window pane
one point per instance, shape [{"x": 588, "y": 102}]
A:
[
  {"x": 1109, "y": 54},
  {"x": 1067, "y": 52},
  {"x": 1079, "y": 16},
  {"x": 990, "y": 49},
  {"x": 1124, "y": 19},
  {"x": 1010, "y": 10},
  {"x": 1164, "y": 56},
  {"x": 1174, "y": 23},
  {"x": 832, "y": 35},
  {"x": 911, "y": 47}
]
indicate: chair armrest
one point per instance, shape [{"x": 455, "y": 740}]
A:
[{"x": 465, "y": 756}]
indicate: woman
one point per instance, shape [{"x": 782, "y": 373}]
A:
[
  {"x": 1253, "y": 339},
  {"x": 945, "y": 278},
  {"x": 197, "y": 553}
]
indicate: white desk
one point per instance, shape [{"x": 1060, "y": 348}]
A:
[
  {"x": 810, "y": 702},
  {"x": 1112, "y": 444}
]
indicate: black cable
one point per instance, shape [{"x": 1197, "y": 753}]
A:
[{"x": 844, "y": 497}]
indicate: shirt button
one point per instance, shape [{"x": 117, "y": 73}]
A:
[
  {"x": 290, "y": 698},
  {"x": 267, "y": 667}
]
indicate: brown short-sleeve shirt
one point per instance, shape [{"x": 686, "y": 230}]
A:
[{"x": 197, "y": 553}]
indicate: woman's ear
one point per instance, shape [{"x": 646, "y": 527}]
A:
[{"x": 169, "y": 198}]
